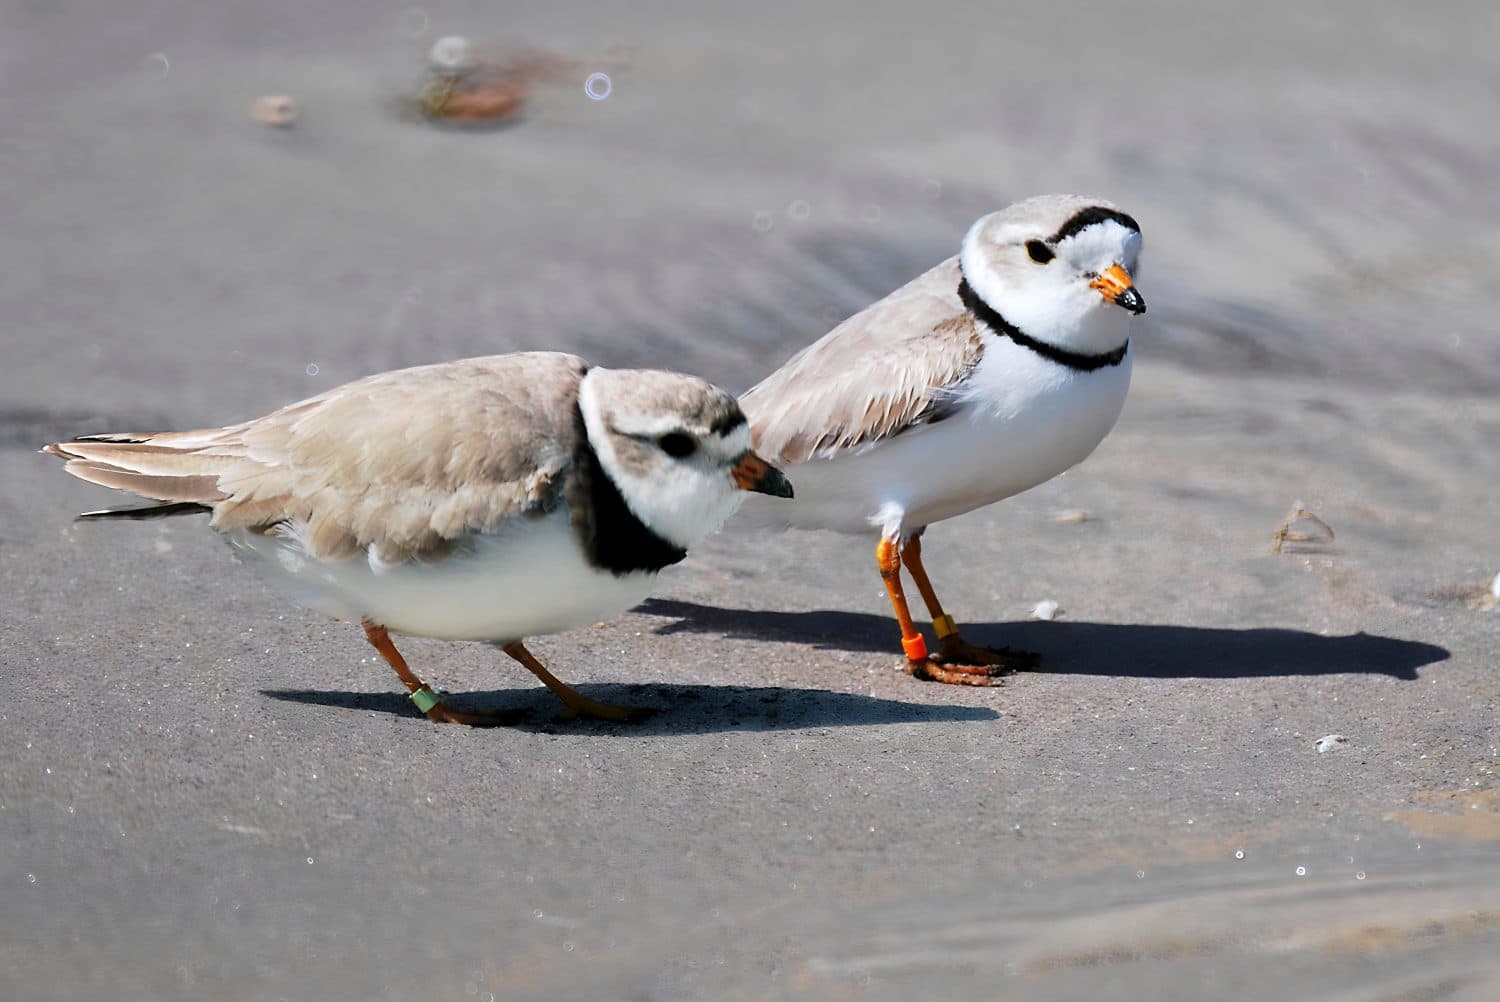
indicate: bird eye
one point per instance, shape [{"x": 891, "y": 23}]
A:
[
  {"x": 1040, "y": 252},
  {"x": 677, "y": 445}
]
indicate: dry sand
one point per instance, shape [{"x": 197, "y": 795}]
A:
[{"x": 206, "y": 792}]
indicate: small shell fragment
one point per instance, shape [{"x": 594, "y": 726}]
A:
[
  {"x": 1287, "y": 531},
  {"x": 1331, "y": 742},
  {"x": 1495, "y": 588},
  {"x": 1073, "y": 516},
  {"x": 1046, "y": 609},
  {"x": 278, "y": 110}
]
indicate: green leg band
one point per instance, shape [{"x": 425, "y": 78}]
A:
[{"x": 425, "y": 699}]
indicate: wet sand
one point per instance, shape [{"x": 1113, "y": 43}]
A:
[{"x": 206, "y": 792}]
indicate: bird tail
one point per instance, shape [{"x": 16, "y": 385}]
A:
[{"x": 173, "y": 469}]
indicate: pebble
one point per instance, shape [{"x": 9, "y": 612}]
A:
[
  {"x": 274, "y": 109},
  {"x": 1330, "y": 742},
  {"x": 1046, "y": 609}
]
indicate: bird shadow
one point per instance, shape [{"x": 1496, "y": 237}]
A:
[
  {"x": 1076, "y": 648},
  {"x": 1118, "y": 649},
  {"x": 670, "y": 709}
]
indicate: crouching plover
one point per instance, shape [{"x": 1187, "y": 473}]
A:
[
  {"x": 486, "y": 499},
  {"x": 991, "y": 373}
]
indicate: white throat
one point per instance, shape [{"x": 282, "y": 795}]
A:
[{"x": 1052, "y": 306}]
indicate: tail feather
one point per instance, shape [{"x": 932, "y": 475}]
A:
[
  {"x": 121, "y": 437},
  {"x": 147, "y": 458},
  {"x": 165, "y": 510},
  {"x": 179, "y": 478},
  {"x": 157, "y": 487},
  {"x": 211, "y": 440}
]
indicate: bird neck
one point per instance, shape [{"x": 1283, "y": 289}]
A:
[
  {"x": 613, "y": 537},
  {"x": 994, "y": 321}
]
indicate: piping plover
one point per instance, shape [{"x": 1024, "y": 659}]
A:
[
  {"x": 993, "y": 372},
  {"x": 486, "y": 499}
]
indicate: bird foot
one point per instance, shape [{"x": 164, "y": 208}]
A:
[
  {"x": 961, "y": 663},
  {"x": 442, "y": 713},
  {"x": 932, "y": 669}
]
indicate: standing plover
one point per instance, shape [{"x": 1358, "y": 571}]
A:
[
  {"x": 486, "y": 499},
  {"x": 991, "y": 373}
]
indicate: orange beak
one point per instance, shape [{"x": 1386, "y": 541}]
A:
[
  {"x": 1115, "y": 285},
  {"x": 752, "y": 473}
]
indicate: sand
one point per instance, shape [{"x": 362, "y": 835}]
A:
[{"x": 207, "y": 792}]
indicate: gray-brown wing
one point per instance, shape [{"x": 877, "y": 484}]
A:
[
  {"x": 886, "y": 369},
  {"x": 409, "y": 460}
]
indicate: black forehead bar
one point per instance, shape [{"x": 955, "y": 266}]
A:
[
  {"x": 1092, "y": 216},
  {"x": 727, "y": 422}
]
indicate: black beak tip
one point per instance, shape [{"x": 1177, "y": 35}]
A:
[
  {"x": 1132, "y": 301},
  {"x": 775, "y": 484}
]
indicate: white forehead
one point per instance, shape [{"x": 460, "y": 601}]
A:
[
  {"x": 1103, "y": 243},
  {"x": 735, "y": 443}
]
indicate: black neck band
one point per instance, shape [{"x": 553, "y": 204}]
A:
[
  {"x": 613, "y": 538},
  {"x": 995, "y": 322}
]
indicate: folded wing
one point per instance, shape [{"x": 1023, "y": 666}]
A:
[
  {"x": 885, "y": 370},
  {"x": 406, "y": 461}
]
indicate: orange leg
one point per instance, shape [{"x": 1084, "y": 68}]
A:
[
  {"x": 888, "y": 559},
  {"x": 578, "y": 705},
  {"x": 426, "y": 699},
  {"x": 958, "y": 661}
]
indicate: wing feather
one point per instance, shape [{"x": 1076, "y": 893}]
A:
[{"x": 885, "y": 370}]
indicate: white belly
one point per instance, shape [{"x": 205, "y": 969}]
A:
[
  {"x": 1024, "y": 421},
  {"x": 529, "y": 579}
]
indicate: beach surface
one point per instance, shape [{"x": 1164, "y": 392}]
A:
[{"x": 208, "y": 792}]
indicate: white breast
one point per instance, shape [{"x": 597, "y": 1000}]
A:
[
  {"x": 1022, "y": 420},
  {"x": 526, "y": 580}
]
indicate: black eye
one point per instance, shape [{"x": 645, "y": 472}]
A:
[
  {"x": 1040, "y": 252},
  {"x": 677, "y": 445}
]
